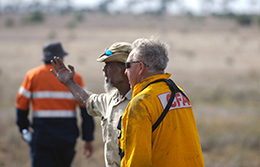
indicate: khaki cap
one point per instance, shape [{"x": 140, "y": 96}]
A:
[{"x": 118, "y": 51}]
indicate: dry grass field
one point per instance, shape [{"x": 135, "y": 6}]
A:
[{"x": 215, "y": 61}]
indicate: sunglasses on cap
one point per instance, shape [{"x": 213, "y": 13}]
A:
[
  {"x": 108, "y": 52},
  {"x": 128, "y": 64}
]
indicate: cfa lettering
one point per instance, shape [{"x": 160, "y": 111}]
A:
[{"x": 179, "y": 101}]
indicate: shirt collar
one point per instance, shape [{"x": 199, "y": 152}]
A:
[
  {"x": 117, "y": 96},
  {"x": 129, "y": 94}
]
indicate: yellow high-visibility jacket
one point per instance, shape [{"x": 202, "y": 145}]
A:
[{"x": 175, "y": 142}]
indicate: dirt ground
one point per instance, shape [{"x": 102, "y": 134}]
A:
[{"x": 214, "y": 60}]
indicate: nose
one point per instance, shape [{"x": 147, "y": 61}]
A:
[
  {"x": 125, "y": 72},
  {"x": 104, "y": 68}
]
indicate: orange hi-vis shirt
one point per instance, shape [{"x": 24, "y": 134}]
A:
[{"x": 49, "y": 97}]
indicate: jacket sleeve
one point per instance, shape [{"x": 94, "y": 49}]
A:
[
  {"x": 137, "y": 145},
  {"x": 22, "y": 119},
  {"x": 87, "y": 125}
]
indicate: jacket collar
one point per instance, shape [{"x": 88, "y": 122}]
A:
[{"x": 141, "y": 85}]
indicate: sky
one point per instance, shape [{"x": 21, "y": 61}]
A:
[{"x": 240, "y": 6}]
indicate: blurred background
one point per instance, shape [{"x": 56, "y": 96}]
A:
[{"x": 214, "y": 56}]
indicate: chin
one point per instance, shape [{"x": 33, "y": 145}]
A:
[{"x": 108, "y": 86}]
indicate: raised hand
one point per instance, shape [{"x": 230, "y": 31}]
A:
[{"x": 64, "y": 74}]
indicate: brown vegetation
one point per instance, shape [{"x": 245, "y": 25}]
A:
[{"x": 215, "y": 61}]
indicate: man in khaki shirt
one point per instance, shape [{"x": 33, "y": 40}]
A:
[{"x": 111, "y": 105}]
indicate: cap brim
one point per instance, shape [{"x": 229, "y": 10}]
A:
[
  {"x": 63, "y": 54},
  {"x": 113, "y": 57}
]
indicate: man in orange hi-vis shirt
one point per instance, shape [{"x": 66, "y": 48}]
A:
[{"x": 54, "y": 125}]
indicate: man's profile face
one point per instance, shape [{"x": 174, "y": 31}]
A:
[
  {"x": 132, "y": 70},
  {"x": 113, "y": 74}
]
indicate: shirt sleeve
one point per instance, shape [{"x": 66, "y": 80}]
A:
[
  {"x": 23, "y": 102},
  {"x": 88, "y": 125},
  {"x": 97, "y": 104},
  {"x": 22, "y": 120},
  {"x": 137, "y": 133},
  {"x": 24, "y": 94}
]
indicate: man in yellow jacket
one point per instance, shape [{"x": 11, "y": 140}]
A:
[{"x": 171, "y": 142}]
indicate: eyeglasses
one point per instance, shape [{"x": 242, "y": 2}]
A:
[{"x": 128, "y": 64}]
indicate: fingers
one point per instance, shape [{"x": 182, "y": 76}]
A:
[
  {"x": 89, "y": 149},
  {"x": 53, "y": 72},
  {"x": 88, "y": 153},
  {"x": 71, "y": 68},
  {"x": 59, "y": 62},
  {"x": 54, "y": 64}
]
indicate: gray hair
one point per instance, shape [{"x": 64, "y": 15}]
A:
[{"x": 152, "y": 52}]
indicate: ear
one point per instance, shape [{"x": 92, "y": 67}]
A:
[{"x": 142, "y": 68}]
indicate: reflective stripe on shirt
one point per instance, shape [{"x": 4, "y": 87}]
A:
[
  {"x": 25, "y": 92},
  {"x": 52, "y": 95},
  {"x": 46, "y": 94},
  {"x": 54, "y": 114}
]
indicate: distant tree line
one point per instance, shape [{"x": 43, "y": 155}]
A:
[
  {"x": 162, "y": 6},
  {"x": 219, "y": 8}
]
